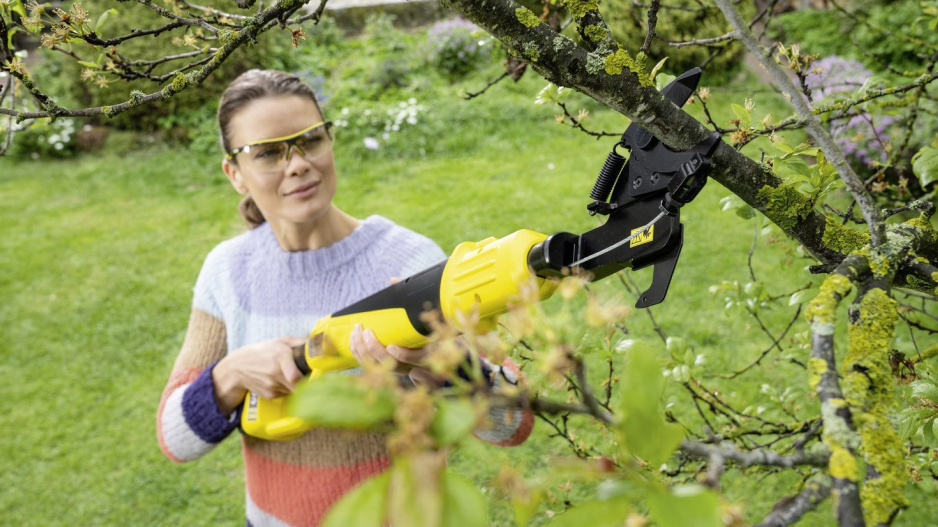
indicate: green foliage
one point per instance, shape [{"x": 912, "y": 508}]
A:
[
  {"x": 43, "y": 138},
  {"x": 343, "y": 401},
  {"x": 675, "y": 25},
  {"x": 456, "y": 47},
  {"x": 687, "y": 506},
  {"x": 822, "y": 32},
  {"x": 920, "y": 420},
  {"x": 925, "y": 165},
  {"x": 364, "y": 506},
  {"x": 453, "y": 421},
  {"x": 644, "y": 430}
]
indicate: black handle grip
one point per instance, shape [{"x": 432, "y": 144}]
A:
[{"x": 299, "y": 357}]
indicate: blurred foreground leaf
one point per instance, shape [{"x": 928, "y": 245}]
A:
[
  {"x": 454, "y": 419},
  {"x": 688, "y": 506},
  {"x": 463, "y": 504},
  {"x": 364, "y": 506},
  {"x": 644, "y": 430},
  {"x": 342, "y": 401}
]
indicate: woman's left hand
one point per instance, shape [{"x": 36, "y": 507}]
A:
[{"x": 367, "y": 349}]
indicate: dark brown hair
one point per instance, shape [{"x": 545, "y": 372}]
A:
[{"x": 247, "y": 87}]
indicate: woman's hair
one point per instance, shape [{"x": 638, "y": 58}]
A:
[{"x": 250, "y": 86}]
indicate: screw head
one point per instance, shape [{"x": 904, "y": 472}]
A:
[
  {"x": 637, "y": 182},
  {"x": 654, "y": 178}
]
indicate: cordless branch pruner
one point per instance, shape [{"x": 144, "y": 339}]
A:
[{"x": 641, "y": 196}]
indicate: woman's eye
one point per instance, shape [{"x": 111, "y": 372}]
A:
[
  {"x": 267, "y": 152},
  {"x": 310, "y": 141}
]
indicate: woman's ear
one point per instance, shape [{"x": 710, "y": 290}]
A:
[{"x": 234, "y": 176}]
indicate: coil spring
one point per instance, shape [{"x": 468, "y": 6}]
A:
[{"x": 608, "y": 175}]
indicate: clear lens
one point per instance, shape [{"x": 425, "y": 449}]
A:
[{"x": 272, "y": 156}]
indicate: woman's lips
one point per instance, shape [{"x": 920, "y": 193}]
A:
[{"x": 304, "y": 191}]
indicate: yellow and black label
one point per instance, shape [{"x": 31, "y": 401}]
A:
[{"x": 642, "y": 237}]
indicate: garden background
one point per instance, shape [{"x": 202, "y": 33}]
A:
[{"x": 103, "y": 236}]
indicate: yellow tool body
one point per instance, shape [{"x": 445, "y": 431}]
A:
[{"x": 482, "y": 278}]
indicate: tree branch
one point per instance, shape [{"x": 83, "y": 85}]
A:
[
  {"x": 759, "y": 457},
  {"x": 790, "y": 510}
]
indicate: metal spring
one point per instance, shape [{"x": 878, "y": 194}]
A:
[{"x": 607, "y": 176}]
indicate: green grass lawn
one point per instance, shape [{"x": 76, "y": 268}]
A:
[{"x": 99, "y": 254}]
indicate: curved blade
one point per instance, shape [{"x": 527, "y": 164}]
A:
[{"x": 680, "y": 89}]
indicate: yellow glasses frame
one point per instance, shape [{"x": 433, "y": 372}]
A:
[{"x": 290, "y": 140}]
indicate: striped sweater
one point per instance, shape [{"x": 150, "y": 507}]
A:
[{"x": 250, "y": 290}]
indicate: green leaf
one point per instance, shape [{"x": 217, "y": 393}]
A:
[
  {"x": 662, "y": 80},
  {"x": 926, "y": 390},
  {"x": 416, "y": 495},
  {"x": 676, "y": 346},
  {"x": 928, "y": 435},
  {"x": 925, "y": 165},
  {"x": 742, "y": 114},
  {"x": 341, "y": 401},
  {"x": 17, "y": 7},
  {"x": 644, "y": 431},
  {"x": 454, "y": 419},
  {"x": 102, "y": 19},
  {"x": 688, "y": 506},
  {"x": 594, "y": 513},
  {"x": 463, "y": 504},
  {"x": 657, "y": 68},
  {"x": 363, "y": 506},
  {"x": 524, "y": 507},
  {"x": 799, "y": 297},
  {"x": 87, "y": 64}
]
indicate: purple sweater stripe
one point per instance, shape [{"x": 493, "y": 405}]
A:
[{"x": 200, "y": 409}]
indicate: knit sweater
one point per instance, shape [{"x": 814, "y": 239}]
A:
[{"x": 250, "y": 290}]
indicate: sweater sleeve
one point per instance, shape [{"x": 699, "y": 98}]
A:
[
  {"x": 505, "y": 426},
  {"x": 188, "y": 422}
]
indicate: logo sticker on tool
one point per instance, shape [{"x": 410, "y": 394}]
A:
[
  {"x": 643, "y": 237},
  {"x": 252, "y": 407}
]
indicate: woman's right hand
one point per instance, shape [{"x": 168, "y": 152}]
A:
[{"x": 265, "y": 368}]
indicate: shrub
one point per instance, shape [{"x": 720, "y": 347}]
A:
[
  {"x": 456, "y": 47},
  {"x": 41, "y": 138},
  {"x": 894, "y": 33}
]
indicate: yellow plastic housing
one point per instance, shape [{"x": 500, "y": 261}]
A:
[{"x": 480, "y": 281}]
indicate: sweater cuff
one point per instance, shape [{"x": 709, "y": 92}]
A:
[{"x": 200, "y": 408}]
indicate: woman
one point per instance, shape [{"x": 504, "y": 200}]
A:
[{"x": 259, "y": 293}]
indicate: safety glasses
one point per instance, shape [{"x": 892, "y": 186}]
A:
[{"x": 271, "y": 154}]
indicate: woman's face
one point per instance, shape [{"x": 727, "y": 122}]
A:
[{"x": 301, "y": 190}]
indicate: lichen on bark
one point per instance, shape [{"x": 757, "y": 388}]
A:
[
  {"x": 841, "y": 238},
  {"x": 821, "y": 309},
  {"x": 784, "y": 205},
  {"x": 868, "y": 388},
  {"x": 527, "y": 17}
]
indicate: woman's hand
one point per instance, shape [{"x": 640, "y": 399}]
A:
[
  {"x": 265, "y": 368},
  {"x": 366, "y": 348}
]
